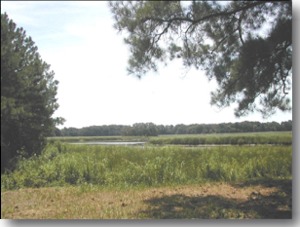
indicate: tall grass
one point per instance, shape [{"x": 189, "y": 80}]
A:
[
  {"x": 280, "y": 138},
  {"x": 113, "y": 166}
]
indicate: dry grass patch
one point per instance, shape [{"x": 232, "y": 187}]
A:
[{"x": 211, "y": 200}]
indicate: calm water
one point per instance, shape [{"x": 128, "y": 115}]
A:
[{"x": 119, "y": 143}]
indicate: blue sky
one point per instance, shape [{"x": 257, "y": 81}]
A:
[{"x": 89, "y": 59}]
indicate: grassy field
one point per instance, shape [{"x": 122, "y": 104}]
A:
[{"x": 151, "y": 181}]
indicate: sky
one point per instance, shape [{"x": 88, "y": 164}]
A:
[{"x": 89, "y": 58}]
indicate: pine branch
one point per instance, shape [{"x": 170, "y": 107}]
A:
[{"x": 207, "y": 17}]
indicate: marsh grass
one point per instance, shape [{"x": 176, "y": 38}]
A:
[
  {"x": 279, "y": 138},
  {"x": 124, "y": 167}
]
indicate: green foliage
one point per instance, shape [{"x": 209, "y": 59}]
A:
[
  {"x": 112, "y": 166},
  {"x": 28, "y": 91},
  {"x": 246, "y": 46}
]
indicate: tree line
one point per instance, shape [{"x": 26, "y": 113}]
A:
[{"x": 150, "y": 129}]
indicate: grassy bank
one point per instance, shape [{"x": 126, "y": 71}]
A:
[{"x": 123, "y": 167}]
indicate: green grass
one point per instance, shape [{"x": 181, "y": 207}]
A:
[
  {"x": 122, "y": 167},
  {"x": 280, "y": 138}
]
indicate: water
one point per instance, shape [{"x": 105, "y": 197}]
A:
[{"x": 119, "y": 143}]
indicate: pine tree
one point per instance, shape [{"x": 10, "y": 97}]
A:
[
  {"x": 28, "y": 91},
  {"x": 246, "y": 46}
]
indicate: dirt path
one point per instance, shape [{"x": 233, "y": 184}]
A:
[{"x": 272, "y": 199}]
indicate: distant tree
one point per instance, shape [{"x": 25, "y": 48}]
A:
[
  {"x": 28, "y": 92},
  {"x": 70, "y": 131},
  {"x": 56, "y": 132},
  {"x": 286, "y": 126},
  {"x": 151, "y": 130},
  {"x": 180, "y": 129},
  {"x": 141, "y": 129},
  {"x": 246, "y": 46}
]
